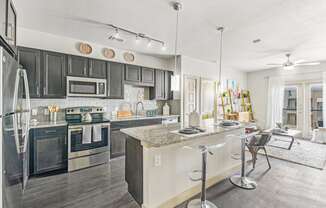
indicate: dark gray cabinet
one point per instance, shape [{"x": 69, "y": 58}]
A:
[
  {"x": 54, "y": 74},
  {"x": 162, "y": 88},
  {"x": 115, "y": 80},
  {"x": 147, "y": 76},
  {"x": 133, "y": 74},
  {"x": 97, "y": 68},
  {"x": 30, "y": 59},
  {"x": 118, "y": 139},
  {"x": 3, "y": 10},
  {"x": 48, "y": 150},
  {"x": 77, "y": 66}
]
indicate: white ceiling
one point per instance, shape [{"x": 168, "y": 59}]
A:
[{"x": 292, "y": 26}]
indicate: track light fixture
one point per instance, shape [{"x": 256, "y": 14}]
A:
[{"x": 138, "y": 36}]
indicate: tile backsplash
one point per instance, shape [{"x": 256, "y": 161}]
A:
[{"x": 132, "y": 95}]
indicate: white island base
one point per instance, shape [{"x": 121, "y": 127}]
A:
[{"x": 166, "y": 169}]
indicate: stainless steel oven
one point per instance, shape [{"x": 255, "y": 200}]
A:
[
  {"x": 86, "y": 87},
  {"x": 82, "y": 155}
]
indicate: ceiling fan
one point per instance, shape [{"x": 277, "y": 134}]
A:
[{"x": 288, "y": 65}]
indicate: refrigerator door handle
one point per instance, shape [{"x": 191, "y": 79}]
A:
[
  {"x": 28, "y": 103},
  {"x": 21, "y": 72}
]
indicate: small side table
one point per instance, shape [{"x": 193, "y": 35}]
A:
[{"x": 241, "y": 180}]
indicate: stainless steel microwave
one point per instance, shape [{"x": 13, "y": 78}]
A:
[{"x": 86, "y": 87}]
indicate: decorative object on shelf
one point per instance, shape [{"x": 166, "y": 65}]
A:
[
  {"x": 108, "y": 53},
  {"x": 246, "y": 103},
  {"x": 85, "y": 48},
  {"x": 129, "y": 57}
]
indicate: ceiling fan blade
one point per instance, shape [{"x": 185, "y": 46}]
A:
[
  {"x": 275, "y": 64},
  {"x": 308, "y": 64},
  {"x": 300, "y": 61}
]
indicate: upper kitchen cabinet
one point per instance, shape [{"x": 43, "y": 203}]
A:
[
  {"x": 162, "y": 88},
  {"x": 97, "y": 69},
  {"x": 30, "y": 59},
  {"x": 77, "y": 66},
  {"x": 8, "y": 25},
  {"x": 54, "y": 74},
  {"x": 3, "y": 9},
  {"x": 11, "y": 26},
  {"x": 133, "y": 74},
  {"x": 147, "y": 76},
  {"x": 115, "y": 80}
]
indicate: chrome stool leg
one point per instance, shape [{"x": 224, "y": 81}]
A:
[
  {"x": 241, "y": 180},
  {"x": 202, "y": 202}
]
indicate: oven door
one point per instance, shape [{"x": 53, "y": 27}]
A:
[
  {"x": 86, "y": 87},
  {"x": 76, "y": 147}
]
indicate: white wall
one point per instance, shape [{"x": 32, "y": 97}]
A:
[
  {"x": 36, "y": 39},
  {"x": 257, "y": 84},
  {"x": 210, "y": 70}
]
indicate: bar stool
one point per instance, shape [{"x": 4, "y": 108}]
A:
[
  {"x": 202, "y": 202},
  {"x": 242, "y": 181}
]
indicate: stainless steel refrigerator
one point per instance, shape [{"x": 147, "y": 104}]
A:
[{"x": 14, "y": 120}]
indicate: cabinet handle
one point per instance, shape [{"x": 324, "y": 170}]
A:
[
  {"x": 38, "y": 90},
  {"x": 50, "y": 131}
]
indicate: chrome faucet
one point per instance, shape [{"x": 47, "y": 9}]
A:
[{"x": 142, "y": 104}]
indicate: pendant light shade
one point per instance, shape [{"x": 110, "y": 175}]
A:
[{"x": 175, "y": 80}]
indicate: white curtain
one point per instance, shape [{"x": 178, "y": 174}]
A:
[
  {"x": 275, "y": 101},
  {"x": 324, "y": 99}
]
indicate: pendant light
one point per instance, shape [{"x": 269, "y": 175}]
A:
[
  {"x": 175, "y": 79},
  {"x": 218, "y": 85}
]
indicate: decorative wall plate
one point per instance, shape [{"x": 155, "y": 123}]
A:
[
  {"x": 85, "y": 48},
  {"x": 129, "y": 57},
  {"x": 108, "y": 53}
]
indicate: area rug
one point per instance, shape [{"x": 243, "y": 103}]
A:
[{"x": 304, "y": 153}]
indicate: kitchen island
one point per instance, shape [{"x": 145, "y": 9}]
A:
[{"x": 159, "y": 160}]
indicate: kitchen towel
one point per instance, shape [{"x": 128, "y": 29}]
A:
[
  {"x": 87, "y": 134},
  {"x": 97, "y": 132}
]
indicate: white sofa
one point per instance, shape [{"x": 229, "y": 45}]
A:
[{"x": 319, "y": 135}]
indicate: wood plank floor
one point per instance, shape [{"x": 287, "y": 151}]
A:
[{"x": 286, "y": 185}]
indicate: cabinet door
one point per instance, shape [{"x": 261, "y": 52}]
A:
[
  {"x": 97, "y": 68},
  {"x": 3, "y": 10},
  {"x": 54, "y": 74},
  {"x": 133, "y": 74},
  {"x": 11, "y": 27},
  {"x": 159, "y": 85},
  {"x": 49, "y": 153},
  {"x": 167, "y": 85},
  {"x": 118, "y": 142},
  {"x": 30, "y": 59},
  {"x": 147, "y": 76},
  {"x": 77, "y": 66},
  {"x": 115, "y": 80}
]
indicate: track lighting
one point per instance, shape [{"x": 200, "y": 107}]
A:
[
  {"x": 117, "y": 34},
  {"x": 149, "y": 44},
  {"x": 137, "y": 39}
]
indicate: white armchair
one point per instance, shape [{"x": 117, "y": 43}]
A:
[{"x": 319, "y": 135}]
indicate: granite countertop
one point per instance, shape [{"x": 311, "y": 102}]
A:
[
  {"x": 162, "y": 135},
  {"x": 115, "y": 119},
  {"x": 46, "y": 124}
]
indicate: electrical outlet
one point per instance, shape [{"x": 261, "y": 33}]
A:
[
  {"x": 157, "y": 160},
  {"x": 34, "y": 112}
]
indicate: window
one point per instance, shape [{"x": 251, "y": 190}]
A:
[
  {"x": 290, "y": 106},
  {"x": 316, "y": 102}
]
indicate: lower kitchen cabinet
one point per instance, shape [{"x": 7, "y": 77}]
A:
[
  {"x": 118, "y": 139},
  {"x": 48, "y": 150}
]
